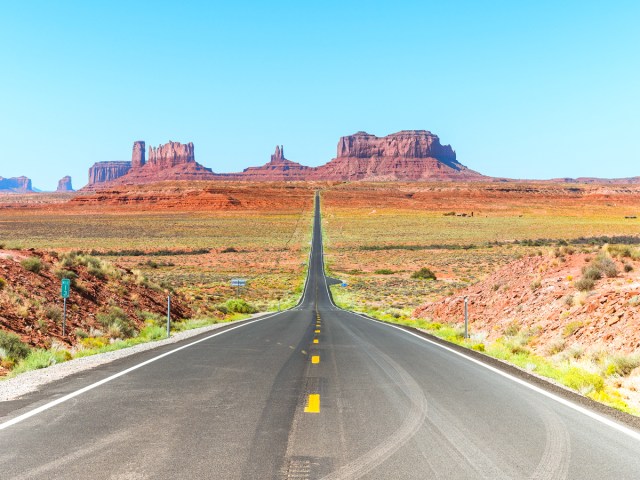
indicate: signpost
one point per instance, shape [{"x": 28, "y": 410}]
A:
[
  {"x": 65, "y": 291},
  {"x": 466, "y": 317},
  {"x": 168, "y": 316},
  {"x": 238, "y": 282}
]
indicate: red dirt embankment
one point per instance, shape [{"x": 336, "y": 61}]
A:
[
  {"x": 30, "y": 303},
  {"x": 538, "y": 293}
]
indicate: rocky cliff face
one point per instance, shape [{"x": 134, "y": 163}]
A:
[
  {"x": 170, "y": 154},
  {"x": 64, "y": 185},
  {"x": 15, "y": 184},
  {"x": 137, "y": 157},
  {"x": 278, "y": 169},
  {"x": 406, "y": 155},
  {"x": 105, "y": 172}
]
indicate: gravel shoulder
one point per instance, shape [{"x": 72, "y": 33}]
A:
[{"x": 16, "y": 387}]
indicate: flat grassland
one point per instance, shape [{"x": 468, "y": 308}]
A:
[{"x": 196, "y": 249}]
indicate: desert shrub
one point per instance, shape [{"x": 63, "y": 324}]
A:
[
  {"x": 229, "y": 250},
  {"x": 592, "y": 272},
  {"x": 627, "y": 268},
  {"x": 536, "y": 284},
  {"x": 619, "y": 250},
  {"x": 237, "y": 306},
  {"x": 152, "y": 332},
  {"x": 80, "y": 333},
  {"x": 622, "y": 365},
  {"x": 607, "y": 266},
  {"x": 13, "y": 347},
  {"x": 151, "y": 318},
  {"x": 568, "y": 300},
  {"x": 571, "y": 328},
  {"x": 512, "y": 328},
  {"x": 3, "y": 283},
  {"x": 582, "y": 380},
  {"x": 53, "y": 313},
  {"x": 424, "y": 274},
  {"x": 634, "y": 301},
  {"x": 117, "y": 323},
  {"x": 384, "y": 271},
  {"x": 584, "y": 284},
  {"x": 62, "y": 273},
  {"x": 556, "y": 345},
  {"x": 32, "y": 264}
]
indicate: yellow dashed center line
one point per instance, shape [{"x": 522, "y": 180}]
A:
[
  {"x": 313, "y": 403},
  {"x": 315, "y": 340},
  {"x": 317, "y": 331},
  {"x": 315, "y": 359}
]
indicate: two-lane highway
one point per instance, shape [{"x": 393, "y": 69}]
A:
[{"x": 314, "y": 392}]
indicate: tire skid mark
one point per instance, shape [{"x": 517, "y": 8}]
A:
[
  {"x": 412, "y": 423},
  {"x": 554, "y": 464},
  {"x": 461, "y": 442}
]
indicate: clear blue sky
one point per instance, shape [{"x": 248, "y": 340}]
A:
[{"x": 520, "y": 89}]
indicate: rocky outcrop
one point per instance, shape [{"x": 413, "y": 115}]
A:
[
  {"x": 406, "y": 155},
  {"x": 278, "y": 169},
  {"x": 137, "y": 157},
  {"x": 171, "y": 161},
  {"x": 170, "y": 154},
  {"x": 64, "y": 185},
  {"x": 105, "y": 172},
  {"x": 15, "y": 184}
]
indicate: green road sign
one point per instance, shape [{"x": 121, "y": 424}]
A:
[{"x": 66, "y": 287}]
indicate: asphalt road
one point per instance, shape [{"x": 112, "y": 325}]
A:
[{"x": 263, "y": 401}]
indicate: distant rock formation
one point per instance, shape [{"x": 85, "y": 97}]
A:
[
  {"x": 64, "y": 185},
  {"x": 15, "y": 184},
  {"x": 137, "y": 157},
  {"x": 406, "y": 155},
  {"x": 170, "y": 154},
  {"x": 105, "y": 172},
  {"x": 171, "y": 161},
  {"x": 409, "y": 155},
  {"x": 278, "y": 169}
]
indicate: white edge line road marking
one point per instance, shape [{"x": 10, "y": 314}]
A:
[
  {"x": 567, "y": 403},
  {"x": 71, "y": 395}
]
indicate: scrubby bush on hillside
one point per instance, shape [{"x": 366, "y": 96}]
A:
[
  {"x": 3, "y": 283},
  {"x": 96, "y": 267},
  {"x": 32, "y": 264},
  {"x": 424, "y": 274},
  {"x": 584, "y": 284},
  {"x": 117, "y": 323},
  {"x": 12, "y": 346}
]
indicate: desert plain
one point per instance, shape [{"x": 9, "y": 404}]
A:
[{"x": 519, "y": 252}]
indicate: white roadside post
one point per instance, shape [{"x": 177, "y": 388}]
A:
[
  {"x": 168, "y": 315},
  {"x": 466, "y": 317}
]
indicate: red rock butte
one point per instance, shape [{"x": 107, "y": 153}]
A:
[
  {"x": 15, "y": 185},
  {"x": 409, "y": 155}
]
